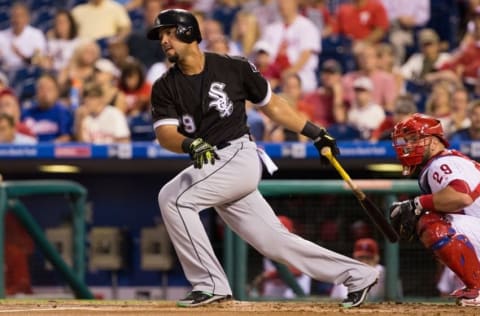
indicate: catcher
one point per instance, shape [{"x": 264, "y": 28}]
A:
[{"x": 446, "y": 217}]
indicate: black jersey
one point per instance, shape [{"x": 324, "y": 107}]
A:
[{"x": 210, "y": 105}]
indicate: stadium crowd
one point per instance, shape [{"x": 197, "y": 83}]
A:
[{"x": 76, "y": 70}]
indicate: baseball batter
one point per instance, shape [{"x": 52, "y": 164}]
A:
[
  {"x": 198, "y": 107},
  {"x": 446, "y": 216}
]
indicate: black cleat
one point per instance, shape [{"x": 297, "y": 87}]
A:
[
  {"x": 358, "y": 297},
  {"x": 199, "y": 298}
]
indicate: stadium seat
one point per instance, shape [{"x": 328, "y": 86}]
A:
[
  {"x": 137, "y": 18},
  {"x": 43, "y": 18},
  {"x": 24, "y": 82},
  {"x": 444, "y": 19},
  {"x": 103, "y": 44},
  {"x": 35, "y": 5},
  {"x": 71, "y": 3},
  {"x": 343, "y": 132},
  {"x": 420, "y": 93},
  {"x": 141, "y": 128},
  {"x": 340, "y": 49},
  {"x": 4, "y": 17}
]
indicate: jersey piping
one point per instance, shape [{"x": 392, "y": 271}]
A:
[
  {"x": 267, "y": 98},
  {"x": 165, "y": 122}
]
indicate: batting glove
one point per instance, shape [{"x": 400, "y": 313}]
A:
[
  {"x": 325, "y": 140},
  {"x": 202, "y": 153},
  {"x": 404, "y": 216}
]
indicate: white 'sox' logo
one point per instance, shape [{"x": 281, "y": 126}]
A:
[{"x": 220, "y": 101}]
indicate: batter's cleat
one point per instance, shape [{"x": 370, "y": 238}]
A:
[
  {"x": 465, "y": 293},
  {"x": 356, "y": 298},
  {"x": 199, "y": 298},
  {"x": 475, "y": 301}
]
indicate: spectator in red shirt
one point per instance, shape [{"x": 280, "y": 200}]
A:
[
  {"x": 465, "y": 63},
  {"x": 362, "y": 20}
]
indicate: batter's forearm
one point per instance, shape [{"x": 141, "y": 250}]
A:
[
  {"x": 169, "y": 138},
  {"x": 279, "y": 111}
]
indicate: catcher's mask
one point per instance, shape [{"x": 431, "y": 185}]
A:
[
  {"x": 411, "y": 138},
  {"x": 187, "y": 26}
]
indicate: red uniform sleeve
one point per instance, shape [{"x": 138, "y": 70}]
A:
[
  {"x": 380, "y": 17},
  {"x": 328, "y": 19},
  {"x": 337, "y": 23}
]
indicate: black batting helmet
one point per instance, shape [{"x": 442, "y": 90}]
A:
[{"x": 185, "y": 22}]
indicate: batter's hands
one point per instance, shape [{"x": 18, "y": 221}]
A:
[
  {"x": 404, "y": 217},
  {"x": 325, "y": 140},
  {"x": 202, "y": 153}
]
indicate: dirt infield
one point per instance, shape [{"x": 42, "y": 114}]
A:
[{"x": 168, "y": 308}]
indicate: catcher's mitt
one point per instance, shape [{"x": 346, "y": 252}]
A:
[{"x": 404, "y": 217}]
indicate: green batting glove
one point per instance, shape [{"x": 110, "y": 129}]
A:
[{"x": 202, "y": 153}]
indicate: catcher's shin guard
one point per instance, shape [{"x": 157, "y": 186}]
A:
[{"x": 454, "y": 250}]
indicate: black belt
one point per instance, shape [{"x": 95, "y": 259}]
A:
[{"x": 223, "y": 145}]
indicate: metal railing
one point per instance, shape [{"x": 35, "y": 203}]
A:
[{"x": 11, "y": 191}]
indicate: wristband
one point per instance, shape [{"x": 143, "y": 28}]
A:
[
  {"x": 186, "y": 144},
  {"x": 426, "y": 202},
  {"x": 311, "y": 130}
]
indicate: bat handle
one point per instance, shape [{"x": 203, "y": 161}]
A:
[{"x": 327, "y": 152}]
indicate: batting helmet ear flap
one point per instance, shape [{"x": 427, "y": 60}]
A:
[{"x": 185, "y": 33}]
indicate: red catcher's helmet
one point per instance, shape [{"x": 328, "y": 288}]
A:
[{"x": 409, "y": 139}]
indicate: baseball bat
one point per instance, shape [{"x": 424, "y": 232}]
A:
[{"x": 372, "y": 210}]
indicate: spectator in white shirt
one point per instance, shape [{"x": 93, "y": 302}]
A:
[
  {"x": 365, "y": 115},
  {"x": 421, "y": 65},
  {"x": 97, "y": 122},
  {"x": 295, "y": 43},
  {"x": 266, "y": 12},
  {"x": 62, "y": 41},
  {"x": 21, "y": 42},
  {"x": 157, "y": 70}
]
